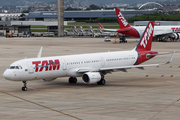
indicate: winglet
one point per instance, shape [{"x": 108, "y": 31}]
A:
[
  {"x": 40, "y": 52},
  {"x": 172, "y": 56},
  {"x": 101, "y": 26}
]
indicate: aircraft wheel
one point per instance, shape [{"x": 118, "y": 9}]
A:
[
  {"x": 24, "y": 88},
  {"x": 75, "y": 80},
  {"x": 72, "y": 80},
  {"x": 98, "y": 83},
  {"x": 102, "y": 82}
]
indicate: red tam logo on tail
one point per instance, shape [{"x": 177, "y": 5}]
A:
[
  {"x": 122, "y": 21},
  {"x": 147, "y": 36},
  {"x": 146, "y": 40}
]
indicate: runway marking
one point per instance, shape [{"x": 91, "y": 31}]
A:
[
  {"x": 173, "y": 82},
  {"x": 125, "y": 110},
  {"x": 40, "y": 105}
]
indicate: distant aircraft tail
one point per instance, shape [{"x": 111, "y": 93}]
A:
[
  {"x": 146, "y": 40},
  {"x": 121, "y": 19},
  {"x": 102, "y": 28}
]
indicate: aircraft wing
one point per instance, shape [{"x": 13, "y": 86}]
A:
[{"x": 124, "y": 68}]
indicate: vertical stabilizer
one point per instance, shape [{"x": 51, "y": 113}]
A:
[
  {"x": 102, "y": 28},
  {"x": 146, "y": 40},
  {"x": 121, "y": 19}
]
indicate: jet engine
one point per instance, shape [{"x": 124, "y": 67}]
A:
[
  {"x": 176, "y": 36},
  {"x": 91, "y": 77},
  {"x": 49, "y": 79}
]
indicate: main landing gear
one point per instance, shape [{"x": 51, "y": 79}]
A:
[
  {"x": 102, "y": 81},
  {"x": 24, "y": 88},
  {"x": 123, "y": 40},
  {"x": 72, "y": 80}
]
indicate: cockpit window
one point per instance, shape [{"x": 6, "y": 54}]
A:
[
  {"x": 15, "y": 67},
  {"x": 20, "y": 67},
  {"x": 12, "y": 67}
]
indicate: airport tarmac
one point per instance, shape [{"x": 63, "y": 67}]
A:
[{"x": 150, "y": 94}]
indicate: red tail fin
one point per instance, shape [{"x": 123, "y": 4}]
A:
[
  {"x": 101, "y": 26},
  {"x": 146, "y": 40},
  {"x": 121, "y": 19}
]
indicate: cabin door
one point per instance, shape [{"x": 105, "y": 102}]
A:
[{"x": 30, "y": 67}]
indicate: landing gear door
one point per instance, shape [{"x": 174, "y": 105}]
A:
[{"x": 30, "y": 67}]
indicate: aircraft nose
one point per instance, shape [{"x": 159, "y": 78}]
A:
[{"x": 7, "y": 75}]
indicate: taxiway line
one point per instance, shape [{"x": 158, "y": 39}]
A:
[{"x": 40, "y": 105}]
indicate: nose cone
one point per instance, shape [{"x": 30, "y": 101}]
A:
[{"x": 7, "y": 75}]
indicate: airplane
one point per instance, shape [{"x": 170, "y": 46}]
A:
[
  {"x": 91, "y": 67},
  {"x": 160, "y": 32}
]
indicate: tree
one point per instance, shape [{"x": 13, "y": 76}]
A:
[
  {"x": 22, "y": 15},
  {"x": 93, "y": 7}
]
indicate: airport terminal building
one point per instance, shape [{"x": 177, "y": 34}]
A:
[
  {"x": 50, "y": 19},
  {"x": 82, "y": 15}
]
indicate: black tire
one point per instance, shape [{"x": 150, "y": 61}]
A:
[
  {"x": 102, "y": 82},
  {"x": 72, "y": 80},
  {"x": 24, "y": 88},
  {"x": 99, "y": 83}
]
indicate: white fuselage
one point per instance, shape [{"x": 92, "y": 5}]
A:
[
  {"x": 62, "y": 66},
  {"x": 158, "y": 30}
]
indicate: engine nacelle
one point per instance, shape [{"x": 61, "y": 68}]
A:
[
  {"x": 176, "y": 36},
  {"x": 49, "y": 79},
  {"x": 91, "y": 77}
]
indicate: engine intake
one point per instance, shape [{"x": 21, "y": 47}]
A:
[
  {"x": 91, "y": 77},
  {"x": 176, "y": 36}
]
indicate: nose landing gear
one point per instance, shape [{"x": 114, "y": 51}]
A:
[{"x": 24, "y": 88}]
